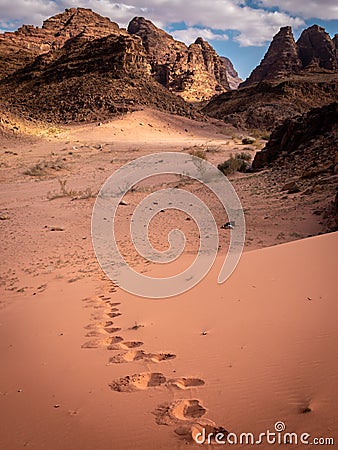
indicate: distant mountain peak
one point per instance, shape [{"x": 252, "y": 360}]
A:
[{"x": 285, "y": 57}]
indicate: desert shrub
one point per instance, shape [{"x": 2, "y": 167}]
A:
[
  {"x": 199, "y": 153},
  {"x": 244, "y": 156},
  {"x": 238, "y": 163},
  {"x": 43, "y": 167}
]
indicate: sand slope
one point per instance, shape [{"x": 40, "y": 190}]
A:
[{"x": 258, "y": 349}]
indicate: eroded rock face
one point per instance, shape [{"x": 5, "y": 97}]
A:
[
  {"x": 232, "y": 75},
  {"x": 299, "y": 132},
  {"x": 280, "y": 59},
  {"x": 196, "y": 73},
  {"x": 88, "y": 80},
  {"x": 315, "y": 47},
  {"x": 21, "y": 47}
]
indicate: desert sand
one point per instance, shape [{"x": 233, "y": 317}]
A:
[{"x": 86, "y": 365}]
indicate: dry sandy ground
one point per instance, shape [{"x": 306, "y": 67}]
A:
[{"x": 86, "y": 365}]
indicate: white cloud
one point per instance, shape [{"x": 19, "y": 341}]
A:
[
  {"x": 254, "y": 26},
  {"x": 190, "y": 34},
  {"x": 307, "y": 9}
]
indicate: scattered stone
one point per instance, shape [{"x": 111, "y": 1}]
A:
[
  {"x": 248, "y": 140},
  {"x": 228, "y": 225}
]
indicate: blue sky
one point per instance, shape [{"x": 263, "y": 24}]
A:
[{"x": 238, "y": 29}]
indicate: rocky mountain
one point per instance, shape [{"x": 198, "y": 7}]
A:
[
  {"x": 281, "y": 59},
  {"x": 196, "y": 73},
  {"x": 313, "y": 50},
  {"x": 316, "y": 48},
  {"x": 292, "y": 78},
  {"x": 81, "y": 66},
  {"x": 88, "y": 80},
  {"x": 19, "y": 48}
]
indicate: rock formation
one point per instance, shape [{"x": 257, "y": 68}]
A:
[
  {"x": 313, "y": 50},
  {"x": 291, "y": 79},
  {"x": 316, "y": 48},
  {"x": 87, "y": 78},
  {"x": 265, "y": 105},
  {"x": 232, "y": 75},
  {"x": 81, "y": 66},
  {"x": 281, "y": 59},
  {"x": 21, "y": 47},
  {"x": 302, "y": 131},
  {"x": 196, "y": 73}
]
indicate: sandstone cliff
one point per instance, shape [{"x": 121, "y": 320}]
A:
[
  {"x": 314, "y": 50},
  {"x": 315, "y": 47},
  {"x": 281, "y": 59},
  {"x": 196, "y": 73},
  {"x": 87, "y": 78},
  {"x": 232, "y": 75},
  {"x": 19, "y": 48},
  {"x": 81, "y": 66}
]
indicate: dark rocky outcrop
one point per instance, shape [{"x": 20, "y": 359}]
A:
[
  {"x": 315, "y": 48},
  {"x": 336, "y": 210},
  {"x": 302, "y": 158},
  {"x": 281, "y": 59},
  {"x": 264, "y": 105},
  {"x": 300, "y": 132}
]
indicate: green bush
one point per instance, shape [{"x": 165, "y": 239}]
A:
[
  {"x": 244, "y": 156},
  {"x": 239, "y": 163}
]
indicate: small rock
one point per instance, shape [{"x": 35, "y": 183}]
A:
[
  {"x": 228, "y": 225},
  {"x": 248, "y": 140},
  {"x": 291, "y": 184}
]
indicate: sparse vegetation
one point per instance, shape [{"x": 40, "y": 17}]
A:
[
  {"x": 238, "y": 163},
  {"x": 40, "y": 169},
  {"x": 199, "y": 153},
  {"x": 73, "y": 194}
]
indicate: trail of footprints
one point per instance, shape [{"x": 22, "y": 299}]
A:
[{"x": 185, "y": 414}]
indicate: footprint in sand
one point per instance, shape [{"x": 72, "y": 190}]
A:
[
  {"x": 112, "y": 329},
  {"x": 113, "y": 314},
  {"x": 137, "y": 355},
  {"x": 178, "y": 411},
  {"x": 99, "y": 325},
  {"x": 185, "y": 383},
  {"x": 137, "y": 382},
  {"x": 125, "y": 345},
  {"x": 195, "y": 431},
  {"x": 102, "y": 331},
  {"x": 96, "y": 343}
]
